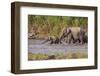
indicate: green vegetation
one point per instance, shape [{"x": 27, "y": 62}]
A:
[
  {"x": 52, "y": 25},
  {"x": 67, "y": 55}
]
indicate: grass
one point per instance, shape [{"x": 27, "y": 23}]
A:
[
  {"x": 67, "y": 55},
  {"x": 37, "y": 56},
  {"x": 53, "y": 25}
]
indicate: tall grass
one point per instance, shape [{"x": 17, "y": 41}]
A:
[{"x": 52, "y": 25}]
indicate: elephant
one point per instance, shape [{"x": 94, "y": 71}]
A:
[
  {"x": 71, "y": 35},
  {"x": 74, "y": 35},
  {"x": 32, "y": 35},
  {"x": 53, "y": 40},
  {"x": 83, "y": 37}
]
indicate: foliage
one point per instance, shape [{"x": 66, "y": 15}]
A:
[{"x": 52, "y": 25}]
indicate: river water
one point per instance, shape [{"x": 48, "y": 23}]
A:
[{"x": 37, "y": 46}]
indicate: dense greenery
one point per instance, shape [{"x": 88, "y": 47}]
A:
[{"x": 52, "y": 25}]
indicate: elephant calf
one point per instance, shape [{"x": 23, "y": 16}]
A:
[{"x": 53, "y": 40}]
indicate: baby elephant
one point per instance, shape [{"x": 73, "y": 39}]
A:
[{"x": 53, "y": 40}]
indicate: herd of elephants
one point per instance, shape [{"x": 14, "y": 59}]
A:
[{"x": 68, "y": 35}]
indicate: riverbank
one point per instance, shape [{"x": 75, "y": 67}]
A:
[{"x": 67, "y": 55}]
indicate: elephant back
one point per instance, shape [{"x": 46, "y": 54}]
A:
[{"x": 75, "y": 31}]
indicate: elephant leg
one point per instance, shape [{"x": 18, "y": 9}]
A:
[
  {"x": 82, "y": 42},
  {"x": 79, "y": 41},
  {"x": 66, "y": 41},
  {"x": 51, "y": 42},
  {"x": 85, "y": 39},
  {"x": 59, "y": 41},
  {"x": 69, "y": 41},
  {"x": 73, "y": 39}
]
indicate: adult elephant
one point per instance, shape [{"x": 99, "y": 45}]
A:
[{"x": 74, "y": 35}]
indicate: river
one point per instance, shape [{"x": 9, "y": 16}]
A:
[{"x": 37, "y": 46}]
